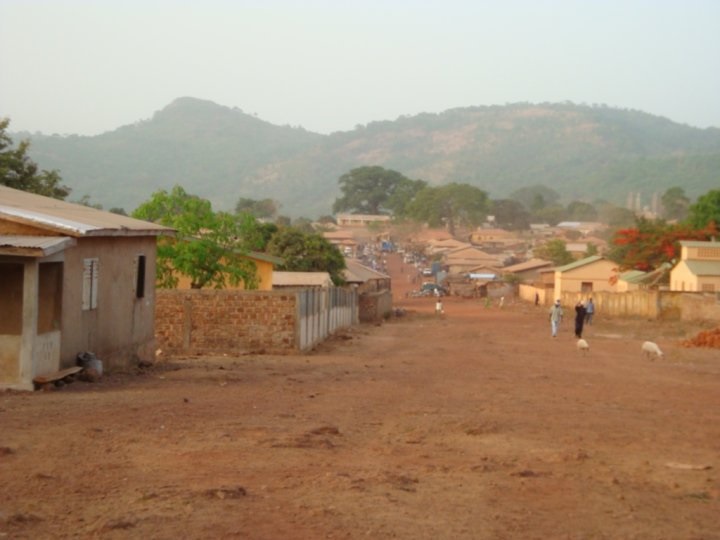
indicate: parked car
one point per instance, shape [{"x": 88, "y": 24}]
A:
[{"x": 430, "y": 289}]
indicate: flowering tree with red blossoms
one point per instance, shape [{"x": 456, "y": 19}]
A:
[{"x": 652, "y": 243}]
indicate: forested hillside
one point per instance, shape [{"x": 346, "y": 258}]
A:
[{"x": 582, "y": 152}]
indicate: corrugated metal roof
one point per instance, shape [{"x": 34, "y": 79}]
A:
[
  {"x": 704, "y": 268},
  {"x": 266, "y": 257},
  {"x": 301, "y": 279},
  {"x": 633, "y": 276},
  {"x": 34, "y": 246},
  {"x": 359, "y": 273},
  {"x": 578, "y": 264},
  {"x": 527, "y": 265},
  {"x": 70, "y": 218}
]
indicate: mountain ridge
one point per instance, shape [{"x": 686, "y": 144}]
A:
[{"x": 221, "y": 153}]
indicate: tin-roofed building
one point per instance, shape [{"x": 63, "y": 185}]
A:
[
  {"x": 698, "y": 269},
  {"x": 72, "y": 279}
]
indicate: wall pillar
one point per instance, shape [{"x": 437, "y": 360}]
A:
[{"x": 29, "y": 322}]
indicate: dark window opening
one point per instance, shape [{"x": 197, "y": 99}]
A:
[{"x": 140, "y": 282}]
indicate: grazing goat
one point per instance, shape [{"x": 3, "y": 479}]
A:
[
  {"x": 583, "y": 346},
  {"x": 651, "y": 350}
]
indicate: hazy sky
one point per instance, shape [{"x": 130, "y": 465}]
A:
[{"x": 91, "y": 66}]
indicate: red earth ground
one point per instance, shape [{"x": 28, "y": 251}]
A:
[{"x": 474, "y": 424}]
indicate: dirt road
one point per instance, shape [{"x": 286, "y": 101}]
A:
[{"x": 473, "y": 425}]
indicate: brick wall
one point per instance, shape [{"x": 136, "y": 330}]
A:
[
  {"x": 225, "y": 321},
  {"x": 374, "y": 306}
]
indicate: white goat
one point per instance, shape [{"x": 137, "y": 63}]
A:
[
  {"x": 583, "y": 346},
  {"x": 651, "y": 350}
]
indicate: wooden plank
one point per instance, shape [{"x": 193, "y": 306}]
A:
[{"x": 56, "y": 376}]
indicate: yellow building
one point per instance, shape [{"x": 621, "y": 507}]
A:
[
  {"x": 588, "y": 275},
  {"x": 698, "y": 269},
  {"x": 264, "y": 266}
]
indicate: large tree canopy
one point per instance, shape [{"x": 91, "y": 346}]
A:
[
  {"x": 675, "y": 203},
  {"x": 706, "y": 210},
  {"x": 535, "y": 198},
  {"x": 580, "y": 211},
  {"x": 261, "y": 209},
  {"x": 303, "y": 252},
  {"x": 451, "y": 205},
  {"x": 554, "y": 250},
  {"x": 18, "y": 171},
  {"x": 374, "y": 190},
  {"x": 510, "y": 214},
  {"x": 209, "y": 247}
]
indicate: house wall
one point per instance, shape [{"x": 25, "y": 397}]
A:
[
  {"x": 709, "y": 252},
  {"x": 9, "y": 355},
  {"x": 264, "y": 271},
  {"x": 681, "y": 278},
  {"x": 527, "y": 293},
  {"x": 528, "y": 276},
  {"x": 598, "y": 273},
  {"x": 121, "y": 330}
]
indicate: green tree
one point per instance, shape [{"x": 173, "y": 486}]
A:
[
  {"x": 552, "y": 214},
  {"x": 261, "y": 209},
  {"x": 258, "y": 237},
  {"x": 303, "y": 224},
  {"x": 615, "y": 216},
  {"x": 580, "y": 211},
  {"x": 302, "y": 252},
  {"x": 451, "y": 205},
  {"x": 554, "y": 250},
  {"x": 535, "y": 198},
  {"x": 18, "y": 171},
  {"x": 375, "y": 190},
  {"x": 592, "y": 249},
  {"x": 209, "y": 247},
  {"x": 706, "y": 210},
  {"x": 85, "y": 201},
  {"x": 405, "y": 191},
  {"x": 675, "y": 204},
  {"x": 510, "y": 214}
]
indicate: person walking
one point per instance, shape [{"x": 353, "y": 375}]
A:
[
  {"x": 579, "y": 319},
  {"x": 556, "y": 316},
  {"x": 589, "y": 311}
]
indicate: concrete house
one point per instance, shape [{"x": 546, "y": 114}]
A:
[
  {"x": 588, "y": 275},
  {"x": 374, "y": 290},
  {"x": 528, "y": 271},
  {"x": 294, "y": 280},
  {"x": 698, "y": 269},
  {"x": 72, "y": 279},
  {"x": 464, "y": 259}
]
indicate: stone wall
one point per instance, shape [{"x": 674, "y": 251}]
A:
[{"x": 225, "y": 321}]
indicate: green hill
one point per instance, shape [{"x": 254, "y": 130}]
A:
[{"x": 582, "y": 152}]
